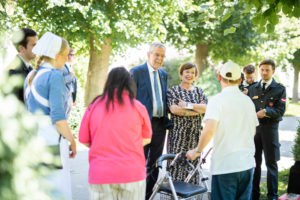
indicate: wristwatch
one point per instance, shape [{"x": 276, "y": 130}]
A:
[
  {"x": 265, "y": 112},
  {"x": 191, "y": 106}
]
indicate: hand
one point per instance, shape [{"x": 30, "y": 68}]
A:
[
  {"x": 245, "y": 91},
  {"x": 72, "y": 74},
  {"x": 192, "y": 154},
  {"x": 72, "y": 149},
  {"x": 74, "y": 103},
  {"x": 261, "y": 114},
  {"x": 182, "y": 103}
]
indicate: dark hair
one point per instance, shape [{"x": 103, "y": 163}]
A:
[
  {"x": 118, "y": 80},
  {"x": 249, "y": 69},
  {"x": 230, "y": 81},
  {"x": 268, "y": 62},
  {"x": 188, "y": 65},
  {"x": 27, "y": 32}
]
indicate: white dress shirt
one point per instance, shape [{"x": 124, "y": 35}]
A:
[
  {"x": 25, "y": 62},
  {"x": 267, "y": 83}
]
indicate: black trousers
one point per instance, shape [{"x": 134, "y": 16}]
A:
[
  {"x": 266, "y": 140},
  {"x": 153, "y": 151}
]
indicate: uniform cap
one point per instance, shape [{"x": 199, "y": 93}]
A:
[{"x": 49, "y": 45}]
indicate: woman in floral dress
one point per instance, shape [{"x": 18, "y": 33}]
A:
[{"x": 186, "y": 103}]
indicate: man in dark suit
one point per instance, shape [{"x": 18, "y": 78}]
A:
[
  {"x": 151, "y": 82},
  {"x": 21, "y": 64},
  {"x": 269, "y": 98},
  {"x": 71, "y": 82}
]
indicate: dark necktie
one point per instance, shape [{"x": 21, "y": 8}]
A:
[
  {"x": 28, "y": 68},
  {"x": 264, "y": 86}
]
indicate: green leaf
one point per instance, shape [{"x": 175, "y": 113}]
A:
[
  {"x": 257, "y": 4},
  {"x": 261, "y": 29},
  {"x": 270, "y": 28},
  {"x": 286, "y": 9},
  {"x": 229, "y": 31},
  {"x": 257, "y": 19},
  {"x": 296, "y": 12},
  {"x": 268, "y": 12},
  {"x": 270, "y": 1},
  {"x": 226, "y": 16},
  {"x": 274, "y": 19}
]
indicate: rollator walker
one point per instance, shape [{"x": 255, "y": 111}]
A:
[{"x": 181, "y": 190}]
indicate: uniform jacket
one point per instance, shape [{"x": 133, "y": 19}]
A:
[
  {"x": 71, "y": 82},
  {"x": 244, "y": 85},
  {"x": 273, "y": 99},
  {"x": 18, "y": 67}
]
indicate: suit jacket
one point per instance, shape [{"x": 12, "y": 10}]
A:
[
  {"x": 141, "y": 77},
  {"x": 71, "y": 82},
  {"x": 273, "y": 99},
  {"x": 18, "y": 67}
]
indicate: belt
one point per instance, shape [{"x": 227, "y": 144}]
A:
[
  {"x": 157, "y": 118},
  {"x": 268, "y": 121}
]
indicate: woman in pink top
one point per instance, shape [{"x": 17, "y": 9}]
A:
[{"x": 116, "y": 126}]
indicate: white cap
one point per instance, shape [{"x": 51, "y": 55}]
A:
[
  {"x": 49, "y": 45},
  {"x": 230, "y": 71}
]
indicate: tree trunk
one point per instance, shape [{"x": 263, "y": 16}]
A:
[
  {"x": 201, "y": 57},
  {"x": 295, "y": 98},
  {"x": 98, "y": 67}
]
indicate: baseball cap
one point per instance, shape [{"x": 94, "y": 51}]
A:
[{"x": 230, "y": 71}]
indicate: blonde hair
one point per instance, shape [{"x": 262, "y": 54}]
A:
[{"x": 64, "y": 46}]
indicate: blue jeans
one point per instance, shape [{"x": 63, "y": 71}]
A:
[{"x": 232, "y": 186}]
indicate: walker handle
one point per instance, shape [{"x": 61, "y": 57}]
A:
[{"x": 164, "y": 157}]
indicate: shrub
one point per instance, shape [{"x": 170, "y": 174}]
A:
[
  {"x": 209, "y": 83},
  {"x": 20, "y": 150},
  {"x": 283, "y": 177},
  {"x": 77, "y": 113},
  {"x": 296, "y": 147}
]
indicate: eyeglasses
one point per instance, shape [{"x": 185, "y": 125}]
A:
[
  {"x": 158, "y": 55},
  {"x": 249, "y": 78},
  {"x": 71, "y": 54}
]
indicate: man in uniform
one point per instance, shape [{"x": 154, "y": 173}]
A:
[
  {"x": 71, "y": 82},
  {"x": 249, "y": 78},
  {"x": 21, "y": 64},
  {"x": 269, "y": 98}
]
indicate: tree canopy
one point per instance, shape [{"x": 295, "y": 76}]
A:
[{"x": 98, "y": 28}]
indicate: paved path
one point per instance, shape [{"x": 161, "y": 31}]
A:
[{"x": 79, "y": 172}]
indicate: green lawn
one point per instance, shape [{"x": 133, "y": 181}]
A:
[
  {"x": 292, "y": 109},
  {"x": 283, "y": 178}
]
